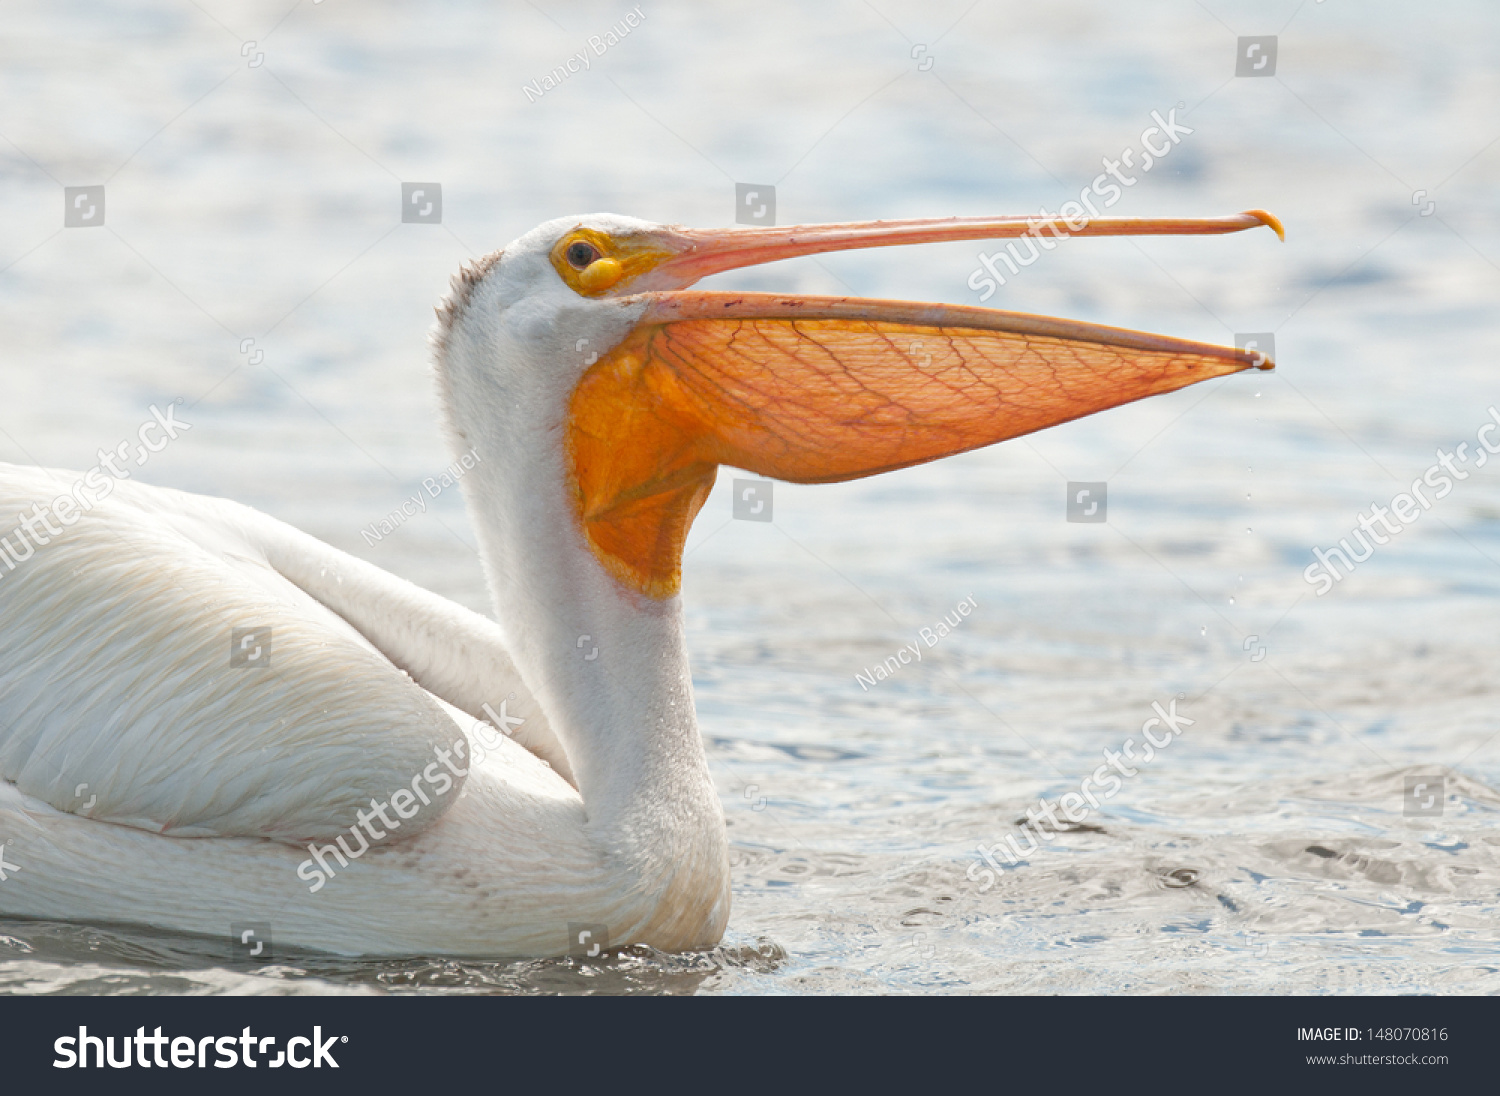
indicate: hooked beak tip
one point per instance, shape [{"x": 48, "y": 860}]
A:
[{"x": 1271, "y": 221}]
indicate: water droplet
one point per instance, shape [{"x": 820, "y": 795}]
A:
[
  {"x": 1231, "y": 601},
  {"x": 1247, "y": 494},
  {"x": 1248, "y": 529},
  {"x": 1257, "y": 395},
  {"x": 1203, "y": 631}
]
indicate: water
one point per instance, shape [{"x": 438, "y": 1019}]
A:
[{"x": 1269, "y": 848}]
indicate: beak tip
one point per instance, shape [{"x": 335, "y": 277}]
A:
[{"x": 1270, "y": 220}]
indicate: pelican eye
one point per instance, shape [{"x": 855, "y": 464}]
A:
[
  {"x": 581, "y": 254},
  {"x": 593, "y": 263}
]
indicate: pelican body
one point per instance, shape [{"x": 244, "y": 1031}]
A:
[{"x": 209, "y": 719}]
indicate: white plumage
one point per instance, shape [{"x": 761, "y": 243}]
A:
[{"x": 209, "y": 781}]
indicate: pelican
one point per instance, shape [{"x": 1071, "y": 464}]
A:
[{"x": 209, "y": 719}]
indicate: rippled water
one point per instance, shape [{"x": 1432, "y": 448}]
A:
[{"x": 1271, "y": 848}]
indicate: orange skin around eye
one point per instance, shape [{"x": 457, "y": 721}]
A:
[
  {"x": 620, "y": 258},
  {"x": 816, "y": 390}
]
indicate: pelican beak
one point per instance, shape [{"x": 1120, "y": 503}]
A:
[
  {"x": 698, "y": 252},
  {"x": 822, "y": 389}
]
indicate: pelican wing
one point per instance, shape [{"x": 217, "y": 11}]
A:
[{"x": 157, "y": 670}]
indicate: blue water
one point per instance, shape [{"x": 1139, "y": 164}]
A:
[{"x": 1271, "y": 847}]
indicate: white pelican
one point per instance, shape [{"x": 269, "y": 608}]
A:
[{"x": 328, "y": 785}]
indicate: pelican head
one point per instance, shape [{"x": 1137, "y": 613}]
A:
[
  {"x": 600, "y": 394},
  {"x": 582, "y": 329}
]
